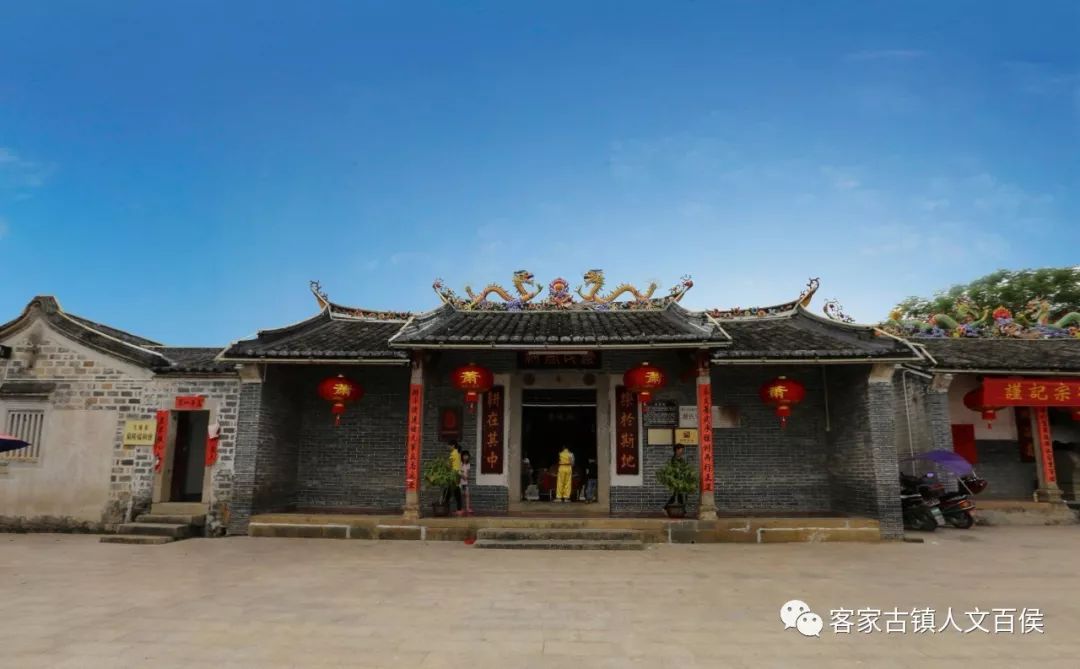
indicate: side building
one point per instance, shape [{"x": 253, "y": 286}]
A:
[{"x": 116, "y": 424}]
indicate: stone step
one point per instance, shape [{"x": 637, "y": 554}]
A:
[
  {"x": 173, "y": 519},
  {"x": 556, "y": 534},
  {"x": 178, "y": 508},
  {"x": 174, "y": 530},
  {"x": 135, "y": 539},
  {"x": 561, "y": 545}
]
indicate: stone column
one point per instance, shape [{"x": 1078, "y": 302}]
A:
[
  {"x": 414, "y": 439},
  {"x": 882, "y": 459},
  {"x": 248, "y": 427},
  {"x": 1048, "y": 490},
  {"x": 707, "y": 505}
]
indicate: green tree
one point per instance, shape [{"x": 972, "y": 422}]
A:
[{"x": 1008, "y": 288}]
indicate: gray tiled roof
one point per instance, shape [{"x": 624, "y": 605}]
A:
[
  {"x": 192, "y": 360},
  {"x": 800, "y": 335},
  {"x": 321, "y": 337},
  {"x": 450, "y": 327},
  {"x": 1048, "y": 355}
]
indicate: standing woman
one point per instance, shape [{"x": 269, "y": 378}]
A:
[
  {"x": 566, "y": 475},
  {"x": 466, "y": 467}
]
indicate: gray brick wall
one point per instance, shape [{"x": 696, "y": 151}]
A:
[
  {"x": 361, "y": 463},
  {"x": 760, "y": 467},
  {"x": 864, "y": 476}
]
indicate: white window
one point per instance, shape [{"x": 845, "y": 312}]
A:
[{"x": 28, "y": 425}]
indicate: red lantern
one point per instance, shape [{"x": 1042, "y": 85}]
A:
[
  {"x": 339, "y": 390},
  {"x": 473, "y": 380},
  {"x": 1075, "y": 414},
  {"x": 974, "y": 401},
  {"x": 644, "y": 380},
  {"x": 782, "y": 393}
]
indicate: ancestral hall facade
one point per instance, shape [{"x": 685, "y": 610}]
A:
[
  {"x": 558, "y": 357},
  {"x": 123, "y": 423}
]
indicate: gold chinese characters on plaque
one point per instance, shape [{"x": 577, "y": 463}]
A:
[{"x": 139, "y": 432}]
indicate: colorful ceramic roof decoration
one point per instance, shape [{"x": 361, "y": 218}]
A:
[
  {"x": 589, "y": 296},
  {"x": 969, "y": 320}
]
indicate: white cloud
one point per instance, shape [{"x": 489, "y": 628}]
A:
[{"x": 17, "y": 173}]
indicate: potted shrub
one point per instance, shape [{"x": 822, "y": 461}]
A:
[
  {"x": 439, "y": 474},
  {"x": 681, "y": 479}
]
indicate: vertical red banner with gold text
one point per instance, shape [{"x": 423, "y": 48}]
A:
[
  {"x": 491, "y": 436},
  {"x": 1046, "y": 446},
  {"x": 161, "y": 438},
  {"x": 626, "y": 432},
  {"x": 412, "y": 444},
  {"x": 705, "y": 434}
]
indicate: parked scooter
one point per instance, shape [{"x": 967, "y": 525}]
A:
[
  {"x": 919, "y": 512},
  {"x": 956, "y": 507}
]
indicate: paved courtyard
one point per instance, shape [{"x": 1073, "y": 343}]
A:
[{"x": 68, "y": 601}]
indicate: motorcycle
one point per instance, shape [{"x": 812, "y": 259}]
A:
[
  {"x": 956, "y": 507},
  {"x": 919, "y": 512}
]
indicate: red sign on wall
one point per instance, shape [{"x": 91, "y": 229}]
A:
[
  {"x": 491, "y": 433},
  {"x": 1046, "y": 446},
  {"x": 450, "y": 424},
  {"x": 1031, "y": 392},
  {"x": 705, "y": 435},
  {"x": 190, "y": 402},
  {"x": 161, "y": 437},
  {"x": 412, "y": 444},
  {"x": 626, "y": 432}
]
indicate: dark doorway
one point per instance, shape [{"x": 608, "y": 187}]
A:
[
  {"x": 189, "y": 456},
  {"x": 552, "y": 419}
]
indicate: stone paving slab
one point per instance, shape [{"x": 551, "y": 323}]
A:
[{"x": 69, "y": 601}]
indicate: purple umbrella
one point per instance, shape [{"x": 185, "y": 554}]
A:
[
  {"x": 957, "y": 464},
  {"x": 10, "y": 443}
]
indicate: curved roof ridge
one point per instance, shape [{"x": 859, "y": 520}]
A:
[
  {"x": 102, "y": 338},
  {"x": 802, "y": 300},
  {"x": 354, "y": 313}
]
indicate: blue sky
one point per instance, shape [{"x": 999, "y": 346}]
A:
[{"x": 183, "y": 169}]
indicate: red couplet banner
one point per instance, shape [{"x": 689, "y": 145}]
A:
[
  {"x": 491, "y": 456},
  {"x": 1031, "y": 392},
  {"x": 626, "y": 432},
  {"x": 161, "y": 438},
  {"x": 705, "y": 435},
  {"x": 412, "y": 444}
]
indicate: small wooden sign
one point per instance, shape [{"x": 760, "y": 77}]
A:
[
  {"x": 139, "y": 432},
  {"x": 686, "y": 436},
  {"x": 190, "y": 402}
]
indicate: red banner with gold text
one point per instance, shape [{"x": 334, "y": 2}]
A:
[
  {"x": 705, "y": 435},
  {"x": 412, "y": 444},
  {"x": 491, "y": 436},
  {"x": 1031, "y": 392},
  {"x": 626, "y": 432}
]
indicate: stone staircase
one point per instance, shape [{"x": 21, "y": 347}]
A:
[
  {"x": 559, "y": 539},
  {"x": 166, "y": 522}
]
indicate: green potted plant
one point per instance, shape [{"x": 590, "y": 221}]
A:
[
  {"x": 439, "y": 474},
  {"x": 681, "y": 479}
]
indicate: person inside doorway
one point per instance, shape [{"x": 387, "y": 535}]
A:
[
  {"x": 463, "y": 483},
  {"x": 677, "y": 498},
  {"x": 590, "y": 477},
  {"x": 566, "y": 475},
  {"x": 455, "y": 464}
]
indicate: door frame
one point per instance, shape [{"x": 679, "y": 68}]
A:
[
  {"x": 162, "y": 487},
  {"x": 555, "y": 380}
]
